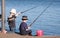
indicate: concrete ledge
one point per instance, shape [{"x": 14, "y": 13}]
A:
[{"x": 13, "y": 35}]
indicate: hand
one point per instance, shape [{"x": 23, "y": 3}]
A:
[
  {"x": 28, "y": 27},
  {"x": 18, "y": 14}
]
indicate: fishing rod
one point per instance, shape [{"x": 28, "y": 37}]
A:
[
  {"x": 41, "y": 13},
  {"x": 30, "y": 9}
]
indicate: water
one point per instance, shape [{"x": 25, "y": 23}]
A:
[{"x": 49, "y": 21}]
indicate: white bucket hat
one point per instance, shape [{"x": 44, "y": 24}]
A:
[{"x": 13, "y": 11}]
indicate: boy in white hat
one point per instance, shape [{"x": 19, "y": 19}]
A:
[{"x": 11, "y": 19}]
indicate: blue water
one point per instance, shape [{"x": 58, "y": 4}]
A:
[{"x": 49, "y": 21}]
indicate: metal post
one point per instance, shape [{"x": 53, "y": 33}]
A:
[{"x": 3, "y": 15}]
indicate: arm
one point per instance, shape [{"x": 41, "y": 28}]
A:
[
  {"x": 28, "y": 28},
  {"x": 18, "y": 14},
  {"x": 12, "y": 17}
]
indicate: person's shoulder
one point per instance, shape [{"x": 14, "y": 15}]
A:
[
  {"x": 9, "y": 16},
  {"x": 22, "y": 22}
]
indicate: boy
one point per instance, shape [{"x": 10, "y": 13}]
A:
[
  {"x": 11, "y": 19},
  {"x": 24, "y": 30}
]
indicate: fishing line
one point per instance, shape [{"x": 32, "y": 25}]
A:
[
  {"x": 31, "y": 8},
  {"x": 41, "y": 13}
]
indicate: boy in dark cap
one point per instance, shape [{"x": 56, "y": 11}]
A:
[{"x": 24, "y": 30}]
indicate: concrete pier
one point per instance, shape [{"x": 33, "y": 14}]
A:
[{"x": 13, "y": 35}]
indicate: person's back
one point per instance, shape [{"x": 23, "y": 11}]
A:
[{"x": 23, "y": 27}]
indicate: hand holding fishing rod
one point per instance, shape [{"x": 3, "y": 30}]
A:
[
  {"x": 27, "y": 10},
  {"x": 41, "y": 14}
]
